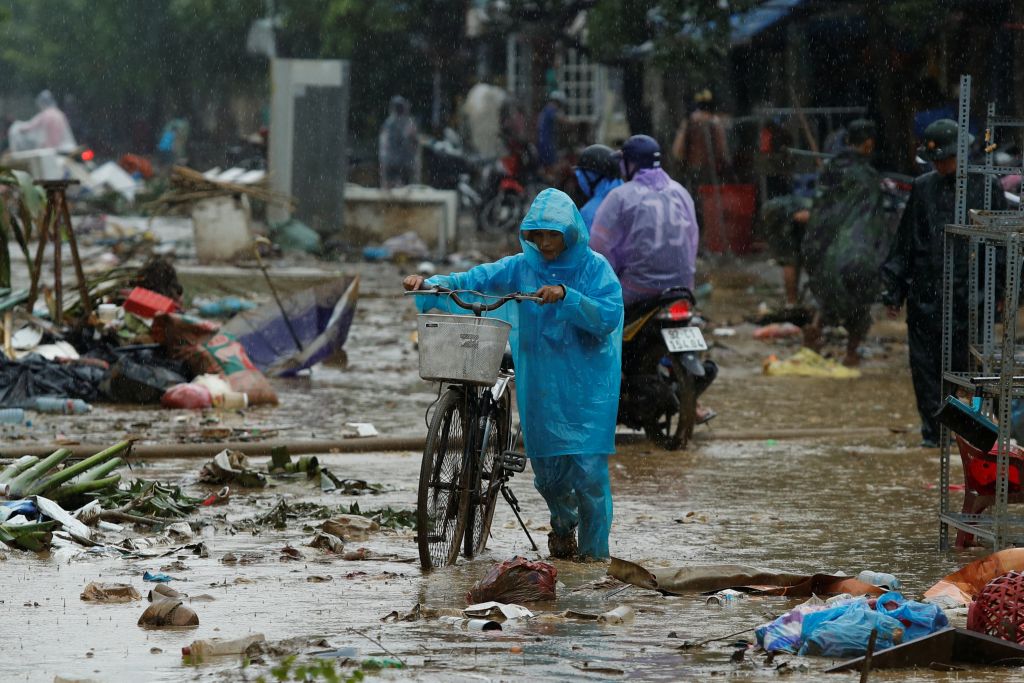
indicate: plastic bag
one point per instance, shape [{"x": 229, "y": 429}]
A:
[
  {"x": 784, "y": 633},
  {"x": 918, "y": 618},
  {"x": 231, "y": 359},
  {"x": 848, "y": 634},
  {"x": 188, "y": 396},
  {"x": 806, "y": 363},
  {"x": 515, "y": 581}
]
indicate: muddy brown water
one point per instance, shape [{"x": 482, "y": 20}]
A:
[{"x": 837, "y": 503}]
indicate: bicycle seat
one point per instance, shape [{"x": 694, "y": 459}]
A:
[{"x": 506, "y": 360}]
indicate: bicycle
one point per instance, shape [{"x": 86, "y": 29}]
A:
[{"x": 470, "y": 453}]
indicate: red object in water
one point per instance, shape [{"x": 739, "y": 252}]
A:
[
  {"x": 146, "y": 303},
  {"x": 727, "y": 217},
  {"x": 998, "y": 610}
]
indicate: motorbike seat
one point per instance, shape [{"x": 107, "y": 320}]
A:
[{"x": 640, "y": 308}]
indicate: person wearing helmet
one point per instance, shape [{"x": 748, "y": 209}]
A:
[
  {"x": 912, "y": 272},
  {"x": 597, "y": 174},
  {"x": 547, "y": 129},
  {"x": 398, "y": 146},
  {"x": 647, "y": 228}
]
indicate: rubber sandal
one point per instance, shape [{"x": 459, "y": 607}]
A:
[{"x": 708, "y": 416}]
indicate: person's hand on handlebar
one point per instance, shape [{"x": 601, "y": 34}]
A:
[
  {"x": 550, "y": 294},
  {"x": 413, "y": 283}
]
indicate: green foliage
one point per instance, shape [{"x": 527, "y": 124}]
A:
[
  {"x": 388, "y": 518},
  {"x": 327, "y": 670},
  {"x": 690, "y": 36},
  {"x": 161, "y": 500}
]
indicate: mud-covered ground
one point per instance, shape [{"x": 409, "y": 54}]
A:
[{"x": 858, "y": 495}]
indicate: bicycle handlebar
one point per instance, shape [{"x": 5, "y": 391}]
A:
[{"x": 475, "y": 307}]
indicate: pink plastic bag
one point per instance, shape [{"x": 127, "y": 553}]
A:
[{"x": 188, "y": 396}]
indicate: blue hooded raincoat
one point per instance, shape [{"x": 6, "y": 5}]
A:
[
  {"x": 604, "y": 186},
  {"x": 567, "y": 359}
]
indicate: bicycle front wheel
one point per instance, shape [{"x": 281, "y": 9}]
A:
[
  {"x": 486, "y": 485},
  {"x": 439, "y": 526}
]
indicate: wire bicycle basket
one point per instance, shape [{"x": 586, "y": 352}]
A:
[{"x": 461, "y": 348}]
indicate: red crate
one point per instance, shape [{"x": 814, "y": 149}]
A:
[{"x": 146, "y": 303}]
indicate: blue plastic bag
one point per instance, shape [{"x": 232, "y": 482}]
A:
[
  {"x": 918, "y": 618},
  {"x": 848, "y": 634}
]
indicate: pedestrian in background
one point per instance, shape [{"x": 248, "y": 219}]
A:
[
  {"x": 398, "y": 146},
  {"x": 913, "y": 271}
]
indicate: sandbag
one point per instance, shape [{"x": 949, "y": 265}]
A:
[
  {"x": 515, "y": 581},
  {"x": 233, "y": 362}
]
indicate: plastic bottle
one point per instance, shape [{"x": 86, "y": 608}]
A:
[
  {"x": 66, "y": 406},
  {"x": 724, "y": 597},
  {"x": 214, "y": 647},
  {"x": 12, "y": 416},
  {"x": 880, "y": 579}
]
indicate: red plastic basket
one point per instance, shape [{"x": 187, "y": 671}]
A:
[
  {"x": 998, "y": 610},
  {"x": 146, "y": 303}
]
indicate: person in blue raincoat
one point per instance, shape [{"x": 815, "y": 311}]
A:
[
  {"x": 567, "y": 354},
  {"x": 597, "y": 174}
]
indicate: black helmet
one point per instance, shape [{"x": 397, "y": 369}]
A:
[
  {"x": 599, "y": 159},
  {"x": 940, "y": 140}
]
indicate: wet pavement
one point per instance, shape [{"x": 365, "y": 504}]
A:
[{"x": 853, "y": 499}]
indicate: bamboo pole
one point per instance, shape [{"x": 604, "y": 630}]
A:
[
  {"x": 72, "y": 490},
  {"x": 69, "y": 473},
  {"x": 100, "y": 471},
  {"x": 21, "y": 484},
  {"x": 17, "y": 467}
]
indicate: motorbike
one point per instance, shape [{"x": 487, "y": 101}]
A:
[
  {"x": 663, "y": 369},
  {"x": 508, "y": 189}
]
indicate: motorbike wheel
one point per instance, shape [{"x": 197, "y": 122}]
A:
[
  {"x": 502, "y": 214},
  {"x": 673, "y": 431}
]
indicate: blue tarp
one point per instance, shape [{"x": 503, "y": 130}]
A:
[{"x": 748, "y": 24}]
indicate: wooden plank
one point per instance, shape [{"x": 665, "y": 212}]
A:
[{"x": 946, "y": 647}]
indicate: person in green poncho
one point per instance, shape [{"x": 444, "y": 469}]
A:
[{"x": 846, "y": 240}]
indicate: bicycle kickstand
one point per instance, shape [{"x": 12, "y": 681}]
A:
[{"x": 513, "y": 503}]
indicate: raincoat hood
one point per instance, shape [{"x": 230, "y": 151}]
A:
[
  {"x": 654, "y": 178},
  {"x": 554, "y": 210}
]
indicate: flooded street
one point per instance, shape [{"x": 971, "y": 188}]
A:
[{"x": 857, "y": 495}]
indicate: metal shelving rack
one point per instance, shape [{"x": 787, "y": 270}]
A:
[{"x": 996, "y": 370}]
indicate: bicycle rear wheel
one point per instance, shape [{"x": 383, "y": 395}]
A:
[
  {"x": 486, "y": 487},
  {"x": 439, "y": 526}
]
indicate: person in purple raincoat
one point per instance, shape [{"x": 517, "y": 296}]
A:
[{"x": 647, "y": 229}]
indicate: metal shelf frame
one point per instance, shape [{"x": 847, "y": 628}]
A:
[{"x": 993, "y": 364}]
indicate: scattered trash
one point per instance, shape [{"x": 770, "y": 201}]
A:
[
  {"x": 326, "y": 541},
  {"x": 514, "y": 581},
  {"x": 216, "y": 647},
  {"x": 350, "y": 527},
  {"x": 231, "y": 467},
  {"x": 622, "y": 614},
  {"x": 295, "y": 236},
  {"x": 225, "y": 307},
  {"x": 960, "y": 588},
  {"x": 714, "y": 578},
  {"x": 471, "y": 624},
  {"x": 156, "y": 577},
  {"x": 319, "y": 578},
  {"x": 492, "y": 609},
  {"x": 109, "y": 592},
  {"x": 941, "y": 651},
  {"x": 359, "y": 430},
  {"x": 724, "y": 332},
  {"x": 880, "y": 579},
  {"x": 188, "y": 396},
  {"x": 724, "y": 597},
  {"x": 168, "y": 613},
  {"x": 807, "y": 363},
  {"x": 996, "y": 611},
  {"x": 784, "y": 330},
  {"x": 162, "y": 592}
]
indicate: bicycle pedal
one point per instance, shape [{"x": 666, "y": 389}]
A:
[{"x": 513, "y": 461}]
